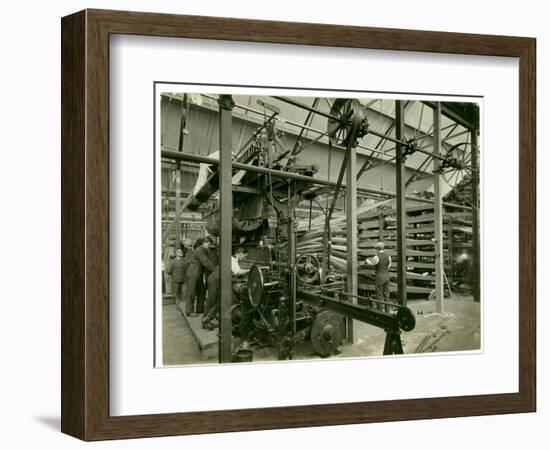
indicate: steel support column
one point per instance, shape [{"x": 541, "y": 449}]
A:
[
  {"x": 438, "y": 210},
  {"x": 226, "y": 214},
  {"x": 475, "y": 215},
  {"x": 401, "y": 204},
  {"x": 351, "y": 228},
  {"x": 178, "y": 204},
  {"x": 181, "y": 142},
  {"x": 291, "y": 230}
]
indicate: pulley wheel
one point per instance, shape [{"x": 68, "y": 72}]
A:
[
  {"x": 349, "y": 121},
  {"x": 406, "y": 319},
  {"x": 327, "y": 333},
  {"x": 308, "y": 269},
  {"x": 255, "y": 286}
]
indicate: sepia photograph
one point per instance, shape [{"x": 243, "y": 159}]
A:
[{"x": 301, "y": 224}]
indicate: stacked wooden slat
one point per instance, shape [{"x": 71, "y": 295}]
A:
[{"x": 377, "y": 222}]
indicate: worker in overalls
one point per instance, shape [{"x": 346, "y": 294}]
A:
[
  {"x": 212, "y": 277},
  {"x": 198, "y": 263},
  {"x": 187, "y": 247},
  {"x": 381, "y": 263}
]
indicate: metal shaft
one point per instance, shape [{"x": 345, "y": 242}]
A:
[{"x": 176, "y": 156}]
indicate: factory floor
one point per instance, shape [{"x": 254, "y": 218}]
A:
[
  {"x": 458, "y": 329},
  {"x": 460, "y": 322},
  {"x": 179, "y": 344}
]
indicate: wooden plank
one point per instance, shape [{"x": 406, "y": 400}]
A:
[
  {"x": 467, "y": 223},
  {"x": 425, "y": 229},
  {"x": 339, "y": 254},
  {"x": 207, "y": 340},
  {"x": 338, "y": 232},
  {"x": 426, "y": 218},
  {"x": 411, "y": 241},
  {"x": 419, "y": 265},
  {"x": 369, "y": 224},
  {"x": 388, "y": 233},
  {"x": 421, "y": 218},
  {"x": 393, "y": 288},
  {"x": 338, "y": 241},
  {"x": 393, "y": 275},
  {"x": 465, "y": 230},
  {"x": 419, "y": 208},
  {"x": 371, "y": 214},
  {"x": 375, "y": 234},
  {"x": 392, "y": 211},
  {"x": 393, "y": 253},
  {"x": 391, "y": 243},
  {"x": 309, "y": 248},
  {"x": 459, "y": 215}
]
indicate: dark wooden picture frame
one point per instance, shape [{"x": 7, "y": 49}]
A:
[{"x": 85, "y": 224}]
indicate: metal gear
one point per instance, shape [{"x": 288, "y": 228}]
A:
[
  {"x": 308, "y": 269},
  {"x": 327, "y": 333}
]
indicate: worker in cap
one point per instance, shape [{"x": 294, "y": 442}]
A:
[
  {"x": 381, "y": 263},
  {"x": 179, "y": 267}
]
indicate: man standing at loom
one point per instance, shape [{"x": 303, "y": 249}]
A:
[
  {"x": 214, "y": 287},
  {"x": 381, "y": 263}
]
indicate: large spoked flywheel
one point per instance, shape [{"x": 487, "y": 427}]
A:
[
  {"x": 457, "y": 165},
  {"x": 350, "y": 121},
  {"x": 255, "y": 286}
]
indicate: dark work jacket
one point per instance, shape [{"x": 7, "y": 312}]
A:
[
  {"x": 381, "y": 269},
  {"x": 199, "y": 262},
  {"x": 177, "y": 267},
  {"x": 213, "y": 257}
]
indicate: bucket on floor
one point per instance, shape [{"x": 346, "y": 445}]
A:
[{"x": 243, "y": 355}]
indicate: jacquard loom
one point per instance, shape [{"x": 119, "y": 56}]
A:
[{"x": 293, "y": 292}]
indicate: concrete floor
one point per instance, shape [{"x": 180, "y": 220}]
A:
[{"x": 461, "y": 319}]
